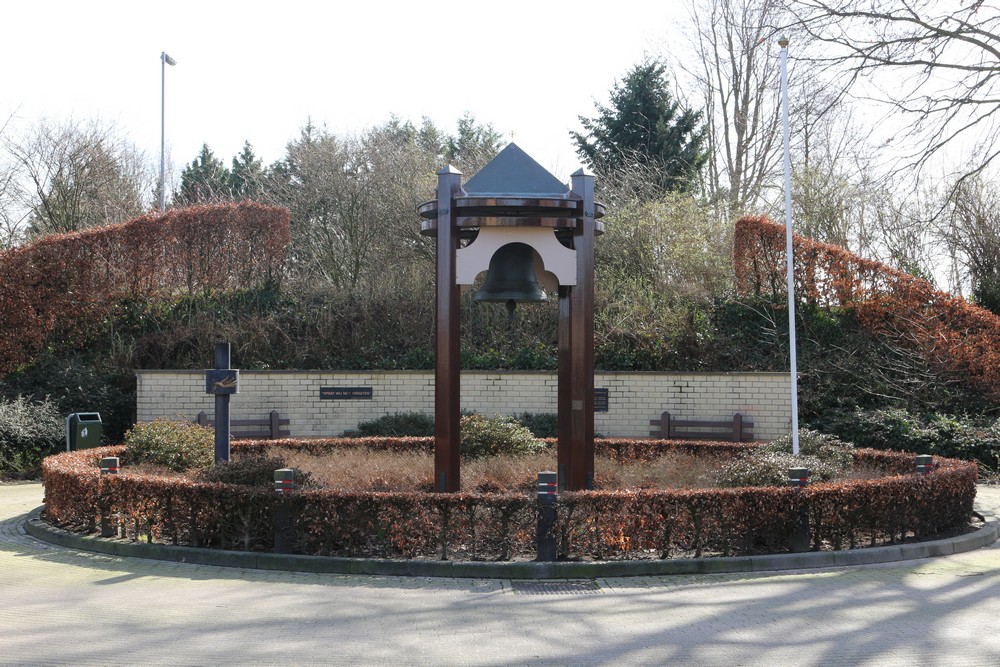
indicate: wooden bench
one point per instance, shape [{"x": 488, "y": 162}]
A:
[
  {"x": 737, "y": 429},
  {"x": 249, "y": 429}
]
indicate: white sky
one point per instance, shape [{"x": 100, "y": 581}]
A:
[{"x": 258, "y": 70}]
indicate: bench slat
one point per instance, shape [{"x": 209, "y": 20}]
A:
[
  {"x": 250, "y": 422},
  {"x": 737, "y": 429},
  {"x": 253, "y": 422},
  {"x": 267, "y": 428},
  {"x": 251, "y": 435},
  {"x": 707, "y": 424}
]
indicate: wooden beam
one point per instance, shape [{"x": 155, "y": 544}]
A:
[
  {"x": 447, "y": 368},
  {"x": 564, "y": 445},
  {"x": 579, "y": 442}
]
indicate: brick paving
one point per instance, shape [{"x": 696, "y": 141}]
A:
[{"x": 64, "y": 607}]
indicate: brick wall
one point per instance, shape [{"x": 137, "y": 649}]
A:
[{"x": 633, "y": 398}]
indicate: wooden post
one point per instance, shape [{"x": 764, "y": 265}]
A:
[
  {"x": 576, "y": 443},
  {"x": 737, "y": 427},
  {"x": 447, "y": 369},
  {"x": 565, "y": 451},
  {"x": 275, "y": 417}
]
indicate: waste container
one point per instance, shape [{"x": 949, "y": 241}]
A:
[{"x": 83, "y": 430}]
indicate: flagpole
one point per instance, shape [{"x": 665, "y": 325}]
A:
[{"x": 789, "y": 249}]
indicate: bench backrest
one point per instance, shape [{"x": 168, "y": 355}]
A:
[
  {"x": 249, "y": 429},
  {"x": 737, "y": 429}
]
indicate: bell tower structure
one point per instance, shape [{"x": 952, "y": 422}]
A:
[{"x": 511, "y": 212}]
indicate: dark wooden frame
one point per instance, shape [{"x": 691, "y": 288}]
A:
[
  {"x": 576, "y": 337},
  {"x": 737, "y": 429},
  {"x": 269, "y": 428},
  {"x": 447, "y": 365},
  {"x": 576, "y": 351}
]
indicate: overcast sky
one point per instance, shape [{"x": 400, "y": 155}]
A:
[{"x": 257, "y": 71}]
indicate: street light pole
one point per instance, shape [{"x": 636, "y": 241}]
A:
[
  {"x": 164, "y": 61},
  {"x": 789, "y": 249}
]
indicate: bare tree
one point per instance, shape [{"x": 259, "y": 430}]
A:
[
  {"x": 352, "y": 198},
  {"x": 971, "y": 232},
  {"x": 12, "y": 214},
  {"x": 936, "y": 65},
  {"x": 839, "y": 194},
  {"x": 738, "y": 75},
  {"x": 72, "y": 175}
]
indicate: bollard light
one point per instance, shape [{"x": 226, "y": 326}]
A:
[
  {"x": 284, "y": 539},
  {"x": 798, "y": 536},
  {"x": 109, "y": 465},
  {"x": 798, "y": 477},
  {"x": 284, "y": 480},
  {"x": 925, "y": 463},
  {"x": 548, "y": 484}
]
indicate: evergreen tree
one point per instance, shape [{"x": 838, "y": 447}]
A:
[
  {"x": 205, "y": 180},
  {"x": 472, "y": 146},
  {"x": 246, "y": 178},
  {"x": 644, "y": 130}
]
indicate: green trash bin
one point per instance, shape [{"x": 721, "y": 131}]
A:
[{"x": 83, "y": 430}]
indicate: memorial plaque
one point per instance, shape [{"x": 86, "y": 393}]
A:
[
  {"x": 345, "y": 393},
  {"x": 600, "y": 400},
  {"x": 222, "y": 382}
]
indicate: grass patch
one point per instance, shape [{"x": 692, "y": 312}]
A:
[{"x": 364, "y": 470}]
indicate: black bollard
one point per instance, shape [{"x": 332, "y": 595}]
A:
[
  {"x": 284, "y": 482},
  {"x": 546, "y": 539},
  {"x": 798, "y": 539},
  {"x": 109, "y": 466}
]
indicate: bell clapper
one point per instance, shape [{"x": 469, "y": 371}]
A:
[{"x": 511, "y": 306}]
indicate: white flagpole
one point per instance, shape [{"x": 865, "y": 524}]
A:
[{"x": 789, "y": 251}]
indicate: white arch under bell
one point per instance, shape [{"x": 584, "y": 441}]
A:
[{"x": 558, "y": 261}]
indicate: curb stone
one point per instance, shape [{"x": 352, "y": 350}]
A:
[{"x": 984, "y": 536}]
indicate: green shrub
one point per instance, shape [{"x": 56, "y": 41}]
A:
[
  {"x": 934, "y": 433},
  {"x": 769, "y": 468},
  {"x": 250, "y": 469},
  {"x": 75, "y": 384},
  {"x": 826, "y": 456},
  {"x": 825, "y": 447},
  {"x": 400, "y": 424},
  {"x": 29, "y": 431},
  {"x": 177, "y": 445},
  {"x": 496, "y": 436},
  {"x": 542, "y": 424}
]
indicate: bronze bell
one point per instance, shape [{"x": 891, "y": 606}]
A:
[{"x": 511, "y": 277}]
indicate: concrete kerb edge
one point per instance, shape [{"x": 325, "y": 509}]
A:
[{"x": 984, "y": 536}]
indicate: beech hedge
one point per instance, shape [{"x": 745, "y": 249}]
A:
[
  {"x": 948, "y": 332},
  {"x": 604, "y": 525},
  {"x": 57, "y": 290}
]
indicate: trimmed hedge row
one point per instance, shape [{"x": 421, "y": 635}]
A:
[
  {"x": 473, "y": 526},
  {"x": 57, "y": 290},
  {"x": 948, "y": 332}
]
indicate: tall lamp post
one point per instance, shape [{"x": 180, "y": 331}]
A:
[
  {"x": 164, "y": 61},
  {"x": 789, "y": 249}
]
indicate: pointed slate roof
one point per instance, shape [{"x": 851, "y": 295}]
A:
[{"x": 514, "y": 173}]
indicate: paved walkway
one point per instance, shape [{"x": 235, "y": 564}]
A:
[{"x": 63, "y": 607}]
